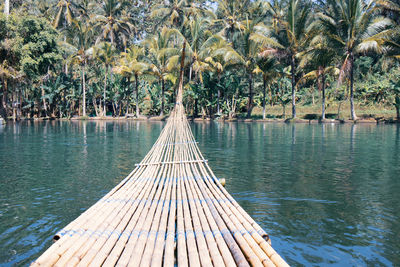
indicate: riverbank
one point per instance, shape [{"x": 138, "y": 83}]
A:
[
  {"x": 223, "y": 119},
  {"x": 275, "y": 114}
]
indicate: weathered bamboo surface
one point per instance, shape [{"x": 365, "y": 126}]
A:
[{"x": 170, "y": 210}]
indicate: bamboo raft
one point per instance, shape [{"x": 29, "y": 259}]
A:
[{"x": 170, "y": 210}]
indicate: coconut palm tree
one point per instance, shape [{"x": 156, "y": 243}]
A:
[
  {"x": 172, "y": 12},
  {"x": 115, "y": 25},
  {"x": 248, "y": 49},
  {"x": 285, "y": 36},
  {"x": 231, "y": 15},
  {"x": 267, "y": 67},
  {"x": 322, "y": 58},
  {"x": 159, "y": 50},
  {"x": 83, "y": 51},
  {"x": 214, "y": 51},
  {"x": 65, "y": 14},
  {"x": 207, "y": 52},
  {"x": 105, "y": 53},
  {"x": 391, "y": 37},
  {"x": 196, "y": 33},
  {"x": 177, "y": 12},
  {"x": 389, "y": 9},
  {"x": 131, "y": 65},
  {"x": 352, "y": 28}
]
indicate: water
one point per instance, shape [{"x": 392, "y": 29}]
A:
[{"x": 326, "y": 194}]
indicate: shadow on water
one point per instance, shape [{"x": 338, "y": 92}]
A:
[{"x": 327, "y": 194}]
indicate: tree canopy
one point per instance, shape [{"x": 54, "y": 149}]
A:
[{"x": 120, "y": 57}]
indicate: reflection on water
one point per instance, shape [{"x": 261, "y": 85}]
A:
[{"x": 327, "y": 194}]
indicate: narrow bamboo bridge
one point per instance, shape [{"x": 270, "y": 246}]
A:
[{"x": 170, "y": 210}]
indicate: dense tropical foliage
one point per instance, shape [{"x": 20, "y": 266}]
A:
[{"x": 65, "y": 58}]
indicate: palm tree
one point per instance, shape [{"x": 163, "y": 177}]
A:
[
  {"x": 131, "y": 65},
  {"x": 196, "y": 33},
  {"x": 391, "y": 37},
  {"x": 248, "y": 49},
  {"x": 352, "y": 28},
  {"x": 391, "y": 41},
  {"x": 171, "y": 11},
  {"x": 65, "y": 13},
  {"x": 321, "y": 57},
  {"x": 177, "y": 12},
  {"x": 83, "y": 51},
  {"x": 230, "y": 17},
  {"x": 159, "y": 51},
  {"x": 285, "y": 36},
  {"x": 114, "y": 24},
  {"x": 268, "y": 68},
  {"x": 219, "y": 54},
  {"x": 105, "y": 53},
  {"x": 389, "y": 9}
]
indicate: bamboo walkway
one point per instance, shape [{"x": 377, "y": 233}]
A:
[{"x": 170, "y": 210}]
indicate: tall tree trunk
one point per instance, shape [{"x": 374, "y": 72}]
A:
[
  {"x": 84, "y": 89},
  {"x": 397, "y": 106},
  {"x": 65, "y": 39},
  {"x": 113, "y": 104},
  {"x": 66, "y": 63},
  {"x": 19, "y": 108},
  {"x": 14, "y": 111},
  {"x": 162, "y": 96},
  {"x": 271, "y": 101},
  {"x": 44, "y": 103},
  {"x": 137, "y": 95},
  {"x": 127, "y": 108},
  {"x": 3, "y": 101},
  {"x": 293, "y": 71},
  {"x": 127, "y": 98},
  {"x": 284, "y": 110},
  {"x": 219, "y": 95},
  {"x": 312, "y": 95},
  {"x": 7, "y": 7},
  {"x": 196, "y": 108},
  {"x": 95, "y": 106},
  {"x": 264, "y": 95},
  {"x": 218, "y": 100},
  {"x": 353, "y": 113},
  {"x": 104, "y": 92},
  {"x": 250, "y": 102},
  {"x": 323, "y": 94},
  {"x": 179, "y": 97},
  {"x": 100, "y": 108}
]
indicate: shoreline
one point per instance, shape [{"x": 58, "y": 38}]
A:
[{"x": 241, "y": 120}]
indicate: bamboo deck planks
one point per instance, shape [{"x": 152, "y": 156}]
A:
[{"x": 170, "y": 210}]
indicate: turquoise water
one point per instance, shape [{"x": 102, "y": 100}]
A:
[{"x": 326, "y": 194}]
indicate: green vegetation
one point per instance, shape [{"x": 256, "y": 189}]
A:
[{"x": 330, "y": 59}]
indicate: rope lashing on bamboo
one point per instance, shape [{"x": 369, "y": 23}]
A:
[{"x": 170, "y": 210}]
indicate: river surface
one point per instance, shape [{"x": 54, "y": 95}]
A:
[{"x": 328, "y": 195}]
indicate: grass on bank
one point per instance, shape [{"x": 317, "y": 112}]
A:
[{"x": 313, "y": 112}]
